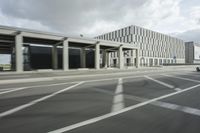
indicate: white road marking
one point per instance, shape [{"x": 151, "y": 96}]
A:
[
  {"x": 185, "y": 109},
  {"x": 27, "y": 87},
  {"x": 160, "y": 82},
  {"x": 35, "y": 86},
  {"x": 118, "y": 99},
  {"x": 187, "y": 79},
  {"x": 5, "y": 89},
  {"x": 136, "y": 98},
  {"x": 77, "y": 76},
  {"x": 177, "y": 89},
  {"x": 86, "y": 81},
  {"x": 96, "y": 119},
  {"x": 14, "y": 110},
  {"x": 12, "y": 90},
  {"x": 171, "y": 106}
]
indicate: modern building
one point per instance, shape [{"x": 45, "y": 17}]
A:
[
  {"x": 192, "y": 53},
  {"x": 154, "y": 48},
  {"x": 33, "y": 50}
]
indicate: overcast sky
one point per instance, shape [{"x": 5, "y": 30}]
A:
[{"x": 93, "y": 17}]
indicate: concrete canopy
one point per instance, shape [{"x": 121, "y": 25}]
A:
[{"x": 18, "y": 37}]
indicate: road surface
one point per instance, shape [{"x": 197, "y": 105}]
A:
[{"x": 152, "y": 102}]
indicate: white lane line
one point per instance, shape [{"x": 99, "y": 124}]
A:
[
  {"x": 63, "y": 77},
  {"x": 96, "y": 119},
  {"x": 12, "y": 90},
  {"x": 77, "y": 76},
  {"x": 136, "y": 98},
  {"x": 177, "y": 89},
  {"x": 160, "y": 82},
  {"x": 187, "y": 79},
  {"x": 185, "y": 109},
  {"x": 5, "y": 89},
  {"x": 118, "y": 99},
  {"x": 34, "y": 86},
  {"x": 14, "y": 110},
  {"x": 27, "y": 87},
  {"x": 86, "y": 81}
]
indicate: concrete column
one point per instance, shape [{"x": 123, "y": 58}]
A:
[
  {"x": 104, "y": 58},
  {"x": 121, "y": 57},
  {"x": 83, "y": 58},
  {"x": 55, "y": 57},
  {"x": 65, "y": 55},
  {"x": 108, "y": 59},
  {"x": 97, "y": 56},
  {"x": 153, "y": 62},
  {"x": 137, "y": 58},
  {"x": 133, "y": 58},
  {"x": 19, "y": 53}
]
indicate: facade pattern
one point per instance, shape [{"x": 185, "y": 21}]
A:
[{"x": 155, "y": 48}]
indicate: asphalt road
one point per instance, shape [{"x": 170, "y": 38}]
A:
[{"x": 146, "y": 102}]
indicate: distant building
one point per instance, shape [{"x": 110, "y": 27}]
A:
[
  {"x": 192, "y": 52},
  {"x": 154, "y": 48}
]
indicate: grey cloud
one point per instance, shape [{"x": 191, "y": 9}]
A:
[
  {"x": 198, "y": 21},
  {"x": 89, "y": 17},
  {"x": 69, "y": 16},
  {"x": 191, "y": 35}
]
